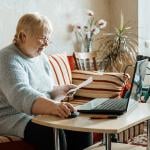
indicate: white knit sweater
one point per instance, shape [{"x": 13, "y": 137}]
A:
[{"x": 22, "y": 80}]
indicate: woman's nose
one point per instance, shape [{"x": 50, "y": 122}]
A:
[{"x": 45, "y": 42}]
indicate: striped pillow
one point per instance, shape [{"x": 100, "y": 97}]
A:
[
  {"x": 9, "y": 138},
  {"x": 108, "y": 85},
  {"x": 60, "y": 69}
]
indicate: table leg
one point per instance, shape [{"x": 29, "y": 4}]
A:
[
  {"x": 104, "y": 139},
  {"x": 148, "y": 135},
  {"x": 108, "y": 141},
  {"x": 56, "y": 138}
]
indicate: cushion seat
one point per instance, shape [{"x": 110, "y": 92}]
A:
[
  {"x": 9, "y": 138},
  {"x": 8, "y": 142}
]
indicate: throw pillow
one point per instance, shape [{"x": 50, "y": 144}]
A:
[
  {"x": 107, "y": 85},
  {"x": 60, "y": 69},
  {"x": 71, "y": 62}
]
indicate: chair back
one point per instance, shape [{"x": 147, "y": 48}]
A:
[{"x": 85, "y": 60}]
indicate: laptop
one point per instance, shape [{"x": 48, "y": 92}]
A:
[{"x": 109, "y": 106}]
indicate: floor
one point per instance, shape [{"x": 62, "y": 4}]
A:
[{"x": 116, "y": 146}]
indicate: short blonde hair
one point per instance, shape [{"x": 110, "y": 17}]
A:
[{"x": 33, "y": 24}]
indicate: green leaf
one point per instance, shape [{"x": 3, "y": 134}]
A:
[{"x": 121, "y": 21}]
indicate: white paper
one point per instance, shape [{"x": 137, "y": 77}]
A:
[{"x": 83, "y": 84}]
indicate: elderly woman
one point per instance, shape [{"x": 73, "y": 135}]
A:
[{"x": 26, "y": 88}]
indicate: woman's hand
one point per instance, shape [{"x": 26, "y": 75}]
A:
[
  {"x": 60, "y": 92},
  {"x": 44, "y": 106},
  {"x": 62, "y": 109}
]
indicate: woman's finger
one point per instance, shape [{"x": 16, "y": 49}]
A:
[
  {"x": 64, "y": 110},
  {"x": 70, "y": 106}
]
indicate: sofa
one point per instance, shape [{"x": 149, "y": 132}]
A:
[
  {"x": 9, "y": 142},
  {"x": 102, "y": 86}
]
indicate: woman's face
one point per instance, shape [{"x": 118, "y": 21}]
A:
[{"x": 34, "y": 45}]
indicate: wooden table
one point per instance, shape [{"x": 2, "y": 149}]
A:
[{"x": 84, "y": 123}]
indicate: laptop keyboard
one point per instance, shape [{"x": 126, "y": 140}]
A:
[{"x": 112, "y": 105}]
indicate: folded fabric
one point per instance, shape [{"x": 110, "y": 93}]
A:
[{"x": 107, "y": 85}]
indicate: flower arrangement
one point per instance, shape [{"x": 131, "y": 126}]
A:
[{"x": 86, "y": 34}]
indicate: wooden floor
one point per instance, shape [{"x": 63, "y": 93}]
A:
[{"x": 116, "y": 146}]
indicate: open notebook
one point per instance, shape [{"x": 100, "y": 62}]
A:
[{"x": 109, "y": 106}]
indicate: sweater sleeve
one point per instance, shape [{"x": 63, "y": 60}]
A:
[{"x": 15, "y": 86}]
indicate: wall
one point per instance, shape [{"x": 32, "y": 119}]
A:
[
  {"x": 61, "y": 12},
  {"x": 129, "y": 9},
  {"x": 136, "y": 12},
  {"x": 66, "y": 12}
]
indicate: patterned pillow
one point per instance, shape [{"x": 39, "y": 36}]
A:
[
  {"x": 60, "y": 69},
  {"x": 107, "y": 85},
  {"x": 9, "y": 138}
]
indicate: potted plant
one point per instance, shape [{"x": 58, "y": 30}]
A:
[{"x": 118, "y": 49}]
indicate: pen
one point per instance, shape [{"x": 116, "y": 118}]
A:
[{"x": 103, "y": 117}]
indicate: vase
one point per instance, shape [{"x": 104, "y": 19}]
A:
[
  {"x": 101, "y": 67},
  {"x": 87, "y": 46},
  {"x": 86, "y": 60}
]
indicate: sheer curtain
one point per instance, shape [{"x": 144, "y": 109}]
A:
[{"x": 144, "y": 27}]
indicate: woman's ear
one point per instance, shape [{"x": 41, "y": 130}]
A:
[{"x": 22, "y": 37}]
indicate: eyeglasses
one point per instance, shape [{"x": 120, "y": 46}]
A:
[{"x": 44, "y": 39}]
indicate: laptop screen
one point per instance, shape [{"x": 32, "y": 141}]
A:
[{"x": 139, "y": 76}]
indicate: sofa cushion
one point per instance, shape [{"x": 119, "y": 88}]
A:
[
  {"x": 8, "y": 142},
  {"x": 107, "y": 85},
  {"x": 71, "y": 62},
  {"x": 60, "y": 69},
  {"x": 9, "y": 138}
]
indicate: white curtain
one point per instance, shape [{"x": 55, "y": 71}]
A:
[{"x": 144, "y": 27}]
